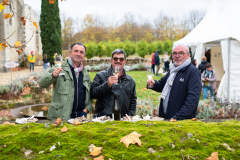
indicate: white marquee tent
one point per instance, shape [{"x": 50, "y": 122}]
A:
[{"x": 221, "y": 32}]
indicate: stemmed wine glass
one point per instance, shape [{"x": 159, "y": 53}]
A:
[
  {"x": 150, "y": 76},
  {"x": 116, "y": 72},
  {"x": 59, "y": 63}
]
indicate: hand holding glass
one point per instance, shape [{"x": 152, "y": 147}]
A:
[
  {"x": 116, "y": 72},
  {"x": 150, "y": 76}
]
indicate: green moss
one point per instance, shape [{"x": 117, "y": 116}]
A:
[{"x": 206, "y": 138}]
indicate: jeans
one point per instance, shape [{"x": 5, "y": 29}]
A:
[
  {"x": 205, "y": 91},
  {"x": 166, "y": 69},
  {"x": 153, "y": 68},
  {"x": 31, "y": 66},
  {"x": 157, "y": 69},
  {"x": 79, "y": 114},
  {"x": 45, "y": 66}
]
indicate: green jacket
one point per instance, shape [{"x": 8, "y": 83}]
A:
[{"x": 63, "y": 92}]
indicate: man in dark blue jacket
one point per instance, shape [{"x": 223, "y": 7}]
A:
[
  {"x": 157, "y": 62},
  {"x": 181, "y": 87}
]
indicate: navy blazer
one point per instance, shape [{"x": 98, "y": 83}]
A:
[{"x": 184, "y": 95}]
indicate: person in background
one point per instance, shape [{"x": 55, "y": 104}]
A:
[
  {"x": 208, "y": 55},
  {"x": 157, "y": 62},
  {"x": 71, "y": 86},
  {"x": 31, "y": 59},
  {"x": 202, "y": 66},
  {"x": 166, "y": 62},
  {"x": 209, "y": 78},
  {"x": 181, "y": 87},
  {"x": 45, "y": 61},
  {"x": 194, "y": 62},
  {"x": 153, "y": 65},
  {"x": 190, "y": 51}
]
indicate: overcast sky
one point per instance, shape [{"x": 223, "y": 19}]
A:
[{"x": 147, "y": 9}]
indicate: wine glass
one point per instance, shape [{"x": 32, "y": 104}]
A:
[
  {"x": 149, "y": 75},
  {"x": 116, "y": 72},
  {"x": 59, "y": 62}
]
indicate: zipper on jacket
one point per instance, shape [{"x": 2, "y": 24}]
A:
[{"x": 77, "y": 98}]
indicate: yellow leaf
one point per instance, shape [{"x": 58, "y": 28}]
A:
[
  {"x": 6, "y": 16},
  {"x": 35, "y": 24},
  {"x": 8, "y": 123},
  {"x": 99, "y": 158},
  {"x": 17, "y": 44},
  {"x": 64, "y": 129},
  {"x": 1, "y": 7},
  {"x": 194, "y": 119},
  {"x": 96, "y": 151},
  {"x": 1, "y": 47},
  {"x": 132, "y": 138},
  {"x": 214, "y": 156},
  {"x": 173, "y": 120}
]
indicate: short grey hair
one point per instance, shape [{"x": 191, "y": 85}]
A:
[
  {"x": 183, "y": 46},
  {"x": 119, "y": 51}
]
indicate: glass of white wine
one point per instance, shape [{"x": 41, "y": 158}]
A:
[
  {"x": 116, "y": 72},
  {"x": 149, "y": 76}
]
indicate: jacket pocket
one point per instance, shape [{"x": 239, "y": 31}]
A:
[
  {"x": 55, "y": 110},
  {"x": 64, "y": 84}
]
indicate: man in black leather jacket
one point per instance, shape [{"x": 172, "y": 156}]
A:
[{"x": 105, "y": 85}]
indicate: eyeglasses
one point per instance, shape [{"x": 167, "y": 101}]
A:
[
  {"x": 180, "y": 54},
  {"x": 116, "y": 59}
]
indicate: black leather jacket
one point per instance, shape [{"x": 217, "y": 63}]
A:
[{"x": 105, "y": 95}]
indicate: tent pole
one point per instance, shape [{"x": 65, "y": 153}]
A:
[{"x": 229, "y": 55}]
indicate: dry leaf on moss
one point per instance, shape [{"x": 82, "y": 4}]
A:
[
  {"x": 214, "y": 156},
  {"x": 99, "y": 158},
  {"x": 57, "y": 122},
  {"x": 77, "y": 123},
  {"x": 173, "y": 120},
  {"x": 8, "y": 123},
  {"x": 132, "y": 138},
  {"x": 96, "y": 150},
  {"x": 64, "y": 129},
  {"x": 194, "y": 119}
]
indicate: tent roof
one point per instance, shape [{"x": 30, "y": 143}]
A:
[
  {"x": 200, "y": 32},
  {"x": 228, "y": 25}
]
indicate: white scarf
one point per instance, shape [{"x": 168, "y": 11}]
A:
[{"x": 173, "y": 73}]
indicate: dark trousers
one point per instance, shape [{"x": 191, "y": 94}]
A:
[
  {"x": 166, "y": 69},
  {"x": 79, "y": 114},
  {"x": 153, "y": 68},
  {"x": 31, "y": 66}
]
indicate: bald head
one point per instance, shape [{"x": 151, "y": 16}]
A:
[{"x": 181, "y": 48}]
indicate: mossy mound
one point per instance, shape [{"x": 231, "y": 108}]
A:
[{"x": 184, "y": 139}]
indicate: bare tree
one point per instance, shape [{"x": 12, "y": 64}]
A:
[{"x": 195, "y": 17}]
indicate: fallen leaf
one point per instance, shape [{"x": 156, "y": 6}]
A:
[
  {"x": 5, "y": 44},
  {"x": 148, "y": 108},
  {"x": 23, "y": 21},
  {"x": 77, "y": 123},
  {"x": 173, "y": 120},
  {"x": 1, "y": 7},
  {"x": 226, "y": 145},
  {"x": 57, "y": 122},
  {"x": 140, "y": 106},
  {"x": 96, "y": 151},
  {"x": 35, "y": 24},
  {"x": 99, "y": 158},
  {"x": 8, "y": 123},
  {"x": 17, "y": 44},
  {"x": 214, "y": 156},
  {"x": 6, "y": 16},
  {"x": 64, "y": 129},
  {"x": 132, "y": 138},
  {"x": 144, "y": 89},
  {"x": 6, "y": 2},
  {"x": 194, "y": 119}
]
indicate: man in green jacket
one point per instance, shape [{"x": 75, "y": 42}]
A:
[{"x": 71, "y": 86}]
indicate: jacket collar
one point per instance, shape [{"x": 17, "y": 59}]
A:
[
  {"x": 183, "y": 69},
  {"x": 66, "y": 67}
]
